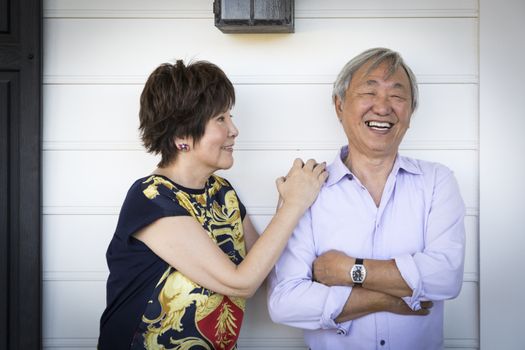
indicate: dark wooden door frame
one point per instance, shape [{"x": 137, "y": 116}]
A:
[{"x": 20, "y": 174}]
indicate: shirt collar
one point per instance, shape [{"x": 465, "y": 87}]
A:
[
  {"x": 337, "y": 170},
  {"x": 407, "y": 164}
]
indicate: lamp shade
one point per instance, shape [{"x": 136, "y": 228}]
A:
[{"x": 254, "y": 16}]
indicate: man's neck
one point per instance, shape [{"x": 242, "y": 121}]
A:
[
  {"x": 365, "y": 166},
  {"x": 372, "y": 172}
]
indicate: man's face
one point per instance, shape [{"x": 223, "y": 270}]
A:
[{"x": 376, "y": 111}]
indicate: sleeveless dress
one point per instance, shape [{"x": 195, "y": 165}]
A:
[{"x": 151, "y": 305}]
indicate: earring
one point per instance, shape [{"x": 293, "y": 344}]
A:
[{"x": 184, "y": 147}]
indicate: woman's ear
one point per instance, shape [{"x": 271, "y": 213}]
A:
[{"x": 182, "y": 144}]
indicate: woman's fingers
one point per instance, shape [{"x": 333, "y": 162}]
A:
[
  {"x": 317, "y": 169},
  {"x": 320, "y": 168},
  {"x": 310, "y": 164},
  {"x": 297, "y": 163}
]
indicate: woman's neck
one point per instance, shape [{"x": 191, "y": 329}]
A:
[{"x": 185, "y": 174}]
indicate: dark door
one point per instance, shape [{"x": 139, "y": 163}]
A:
[{"x": 20, "y": 178}]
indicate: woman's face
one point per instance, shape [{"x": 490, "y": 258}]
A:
[{"x": 215, "y": 149}]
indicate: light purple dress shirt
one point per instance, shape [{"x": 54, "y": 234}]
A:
[{"x": 419, "y": 223}]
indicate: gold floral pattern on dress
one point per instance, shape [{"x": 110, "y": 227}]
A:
[
  {"x": 187, "y": 343},
  {"x": 176, "y": 299},
  {"x": 152, "y": 190},
  {"x": 226, "y": 326},
  {"x": 192, "y": 204}
]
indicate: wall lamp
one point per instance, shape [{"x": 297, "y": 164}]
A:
[{"x": 254, "y": 16}]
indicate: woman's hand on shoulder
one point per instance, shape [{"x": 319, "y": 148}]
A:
[{"x": 303, "y": 182}]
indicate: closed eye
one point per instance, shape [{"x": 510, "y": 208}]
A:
[{"x": 399, "y": 97}]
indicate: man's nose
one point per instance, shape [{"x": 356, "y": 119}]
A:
[{"x": 382, "y": 105}]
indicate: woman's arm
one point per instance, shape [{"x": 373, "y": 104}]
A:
[
  {"x": 184, "y": 244},
  {"x": 250, "y": 233}
]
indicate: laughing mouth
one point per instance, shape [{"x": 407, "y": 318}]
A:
[{"x": 379, "y": 125}]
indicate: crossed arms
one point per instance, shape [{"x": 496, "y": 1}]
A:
[
  {"x": 382, "y": 290},
  {"x": 310, "y": 287}
]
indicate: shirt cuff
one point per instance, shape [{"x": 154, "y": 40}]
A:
[
  {"x": 334, "y": 304},
  {"x": 410, "y": 273}
]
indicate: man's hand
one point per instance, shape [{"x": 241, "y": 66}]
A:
[
  {"x": 332, "y": 268},
  {"x": 398, "y": 306},
  {"x": 363, "y": 302}
]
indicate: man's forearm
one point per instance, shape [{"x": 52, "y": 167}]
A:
[
  {"x": 384, "y": 276},
  {"x": 363, "y": 301},
  {"x": 333, "y": 267}
]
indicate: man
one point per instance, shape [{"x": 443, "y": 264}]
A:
[{"x": 370, "y": 264}]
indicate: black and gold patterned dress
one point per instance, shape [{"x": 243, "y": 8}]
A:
[{"x": 151, "y": 305}]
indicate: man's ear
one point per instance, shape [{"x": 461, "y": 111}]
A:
[{"x": 338, "y": 104}]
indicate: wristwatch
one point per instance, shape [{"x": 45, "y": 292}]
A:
[{"x": 358, "y": 272}]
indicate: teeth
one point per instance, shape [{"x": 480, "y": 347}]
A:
[{"x": 375, "y": 124}]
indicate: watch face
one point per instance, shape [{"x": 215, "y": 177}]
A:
[{"x": 358, "y": 273}]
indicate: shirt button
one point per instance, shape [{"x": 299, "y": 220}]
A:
[
  {"x": 341, "y": 331},
  {"x": 382, "y": 342}
]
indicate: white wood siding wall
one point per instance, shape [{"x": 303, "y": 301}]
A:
[
  {"x": 502, "y": 174},
  {"x": 97, "y": 56}
]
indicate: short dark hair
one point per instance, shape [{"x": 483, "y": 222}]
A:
[{"x": 178, "y": 101}]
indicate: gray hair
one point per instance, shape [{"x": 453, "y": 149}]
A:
[{"x": 375, "y": 57}]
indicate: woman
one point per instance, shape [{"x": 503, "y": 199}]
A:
[{"x": 185, "y": 256}]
